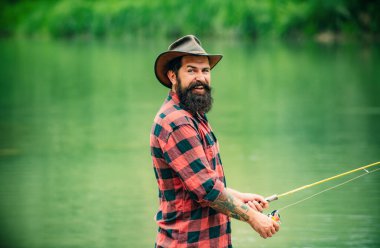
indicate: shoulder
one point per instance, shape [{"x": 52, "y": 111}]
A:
[{"x": 169, "y": 118}]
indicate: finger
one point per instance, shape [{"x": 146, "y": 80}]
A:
[
  {"x": 276, "y": 226},
  {"x": 258, "y": 206},
  {"x": 253, "y": 205},
  {"x": 264, "y": 204},
  {"x": 260, "y": 199},
  {"x": 250, "y": 204}
]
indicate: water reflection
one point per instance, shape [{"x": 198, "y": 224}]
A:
[{"x": 75, "y": 122}]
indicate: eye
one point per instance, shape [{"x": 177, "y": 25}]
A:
[
  {"x": 206, "y": 70},
  {"x": 190, "y": 70}
]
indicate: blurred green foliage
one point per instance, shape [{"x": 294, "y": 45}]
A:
[{"x": 245, "y": 18}]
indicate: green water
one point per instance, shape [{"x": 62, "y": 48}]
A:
[{"x": 75, "y": 117}]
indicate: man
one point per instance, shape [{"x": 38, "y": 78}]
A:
[{"x": 195, "y": 203}]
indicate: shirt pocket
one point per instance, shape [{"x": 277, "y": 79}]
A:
[
  {"x": 211, "y": 152},
  {"x": 210, "y": 149}
]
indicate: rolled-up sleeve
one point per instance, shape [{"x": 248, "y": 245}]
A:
[{"x": 185, "y": 154}]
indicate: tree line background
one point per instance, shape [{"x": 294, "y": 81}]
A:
[{"x": 287, "y": 19}]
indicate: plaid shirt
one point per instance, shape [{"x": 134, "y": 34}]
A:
[{"x": 190, "y": 176}]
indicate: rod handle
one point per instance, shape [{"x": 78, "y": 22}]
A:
[{"x": 271, "y": 198}]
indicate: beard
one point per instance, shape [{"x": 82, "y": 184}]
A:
[{"x": 193, "y": 102}]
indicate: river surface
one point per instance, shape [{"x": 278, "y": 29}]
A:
[{"x": 75, "y": 117}]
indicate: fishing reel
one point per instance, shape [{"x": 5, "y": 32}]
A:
[{"x": 275, "y": 215}]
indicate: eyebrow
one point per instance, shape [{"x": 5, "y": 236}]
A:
[{"x": 195, "y": 67}]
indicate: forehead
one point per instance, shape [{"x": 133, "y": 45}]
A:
[{"x": 201, "y": 61}]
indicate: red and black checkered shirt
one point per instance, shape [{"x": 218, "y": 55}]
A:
[{"x": 190, "y": 176}]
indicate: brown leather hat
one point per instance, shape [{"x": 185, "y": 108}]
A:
[{"x": 187, "y": 45}]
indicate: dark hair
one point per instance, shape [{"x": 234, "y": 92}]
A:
[{"x": 174, "y": 65}]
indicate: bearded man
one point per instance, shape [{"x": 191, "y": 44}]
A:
[{"x": 195, "y": 204}]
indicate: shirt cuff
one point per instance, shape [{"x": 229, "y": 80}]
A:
[{"x": 213, "y": 194}]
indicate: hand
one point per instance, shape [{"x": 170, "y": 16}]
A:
[
  {"x": 255, "y": 205},
  {"x": 256, "y": 202},
  {"x": 264, "y": 225}
]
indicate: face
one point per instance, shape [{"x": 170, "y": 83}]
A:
[
  {"x": 193, "y": 84},
  {"x": 194, "y": 69}
]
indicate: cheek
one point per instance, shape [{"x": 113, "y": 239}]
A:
[
  {"x": 208, "y": 79},
  {"x": 185, "y": 82}
]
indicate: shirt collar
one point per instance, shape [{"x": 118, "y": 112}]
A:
[{"x": 174, "y": 97}]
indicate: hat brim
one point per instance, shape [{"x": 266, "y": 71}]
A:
[{"x": 160, "y": 66}]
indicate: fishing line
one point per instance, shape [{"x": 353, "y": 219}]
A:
[
  {"x": 276, "y": 197},
  {"x": 333, "y": 187},
  {"x": 275, "y": 214}
]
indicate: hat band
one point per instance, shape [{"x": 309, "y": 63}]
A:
[{"x": 193, "y": 52}]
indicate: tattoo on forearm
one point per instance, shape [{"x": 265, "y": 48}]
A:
[{"x": 227, "y": 204}]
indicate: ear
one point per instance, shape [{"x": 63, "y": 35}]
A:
[{"x": 173, "y": 79}]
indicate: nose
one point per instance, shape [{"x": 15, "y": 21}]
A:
[{"x": 201, "y": 77}]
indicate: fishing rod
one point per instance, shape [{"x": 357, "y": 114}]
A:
[
  {"x": 275, "y": 214},
  {"x": 276, "y": 197}
]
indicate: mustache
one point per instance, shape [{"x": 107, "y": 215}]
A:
[
  {"x": 197, "y": 84},
  {"x": 193, "y": 102}
]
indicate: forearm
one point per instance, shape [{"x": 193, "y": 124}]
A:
[
  {"x": 232, "y": 206},
  {"x": 233, "y": 192},
  {"x": 228, "y": 204}
]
